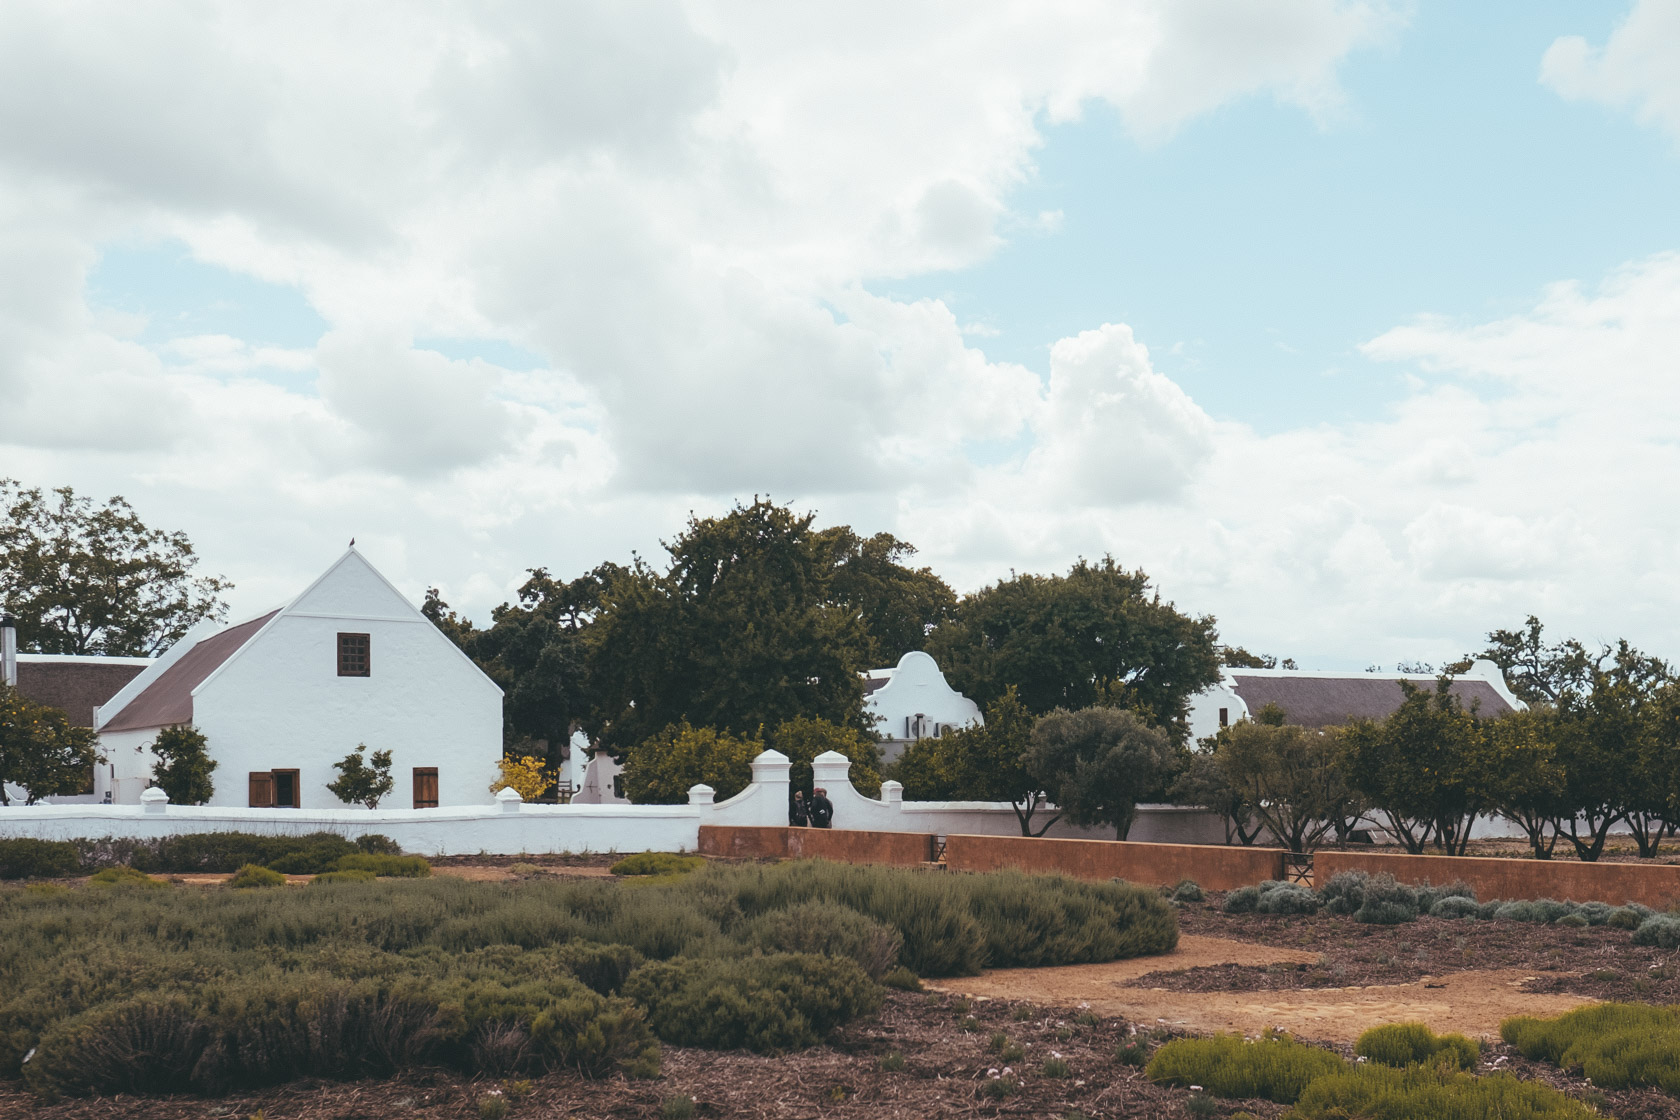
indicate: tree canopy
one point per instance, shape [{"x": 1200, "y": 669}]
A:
[
  {"x": 87, "y": 579},
  {"x": 1096, "y": 764},
  {"x": 982, "y": 763},
  {"x": 40, "y": 750},
  {"x": 1097, "y": 636}
]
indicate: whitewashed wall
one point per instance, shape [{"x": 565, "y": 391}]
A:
[{"x": 511, "y": 827}]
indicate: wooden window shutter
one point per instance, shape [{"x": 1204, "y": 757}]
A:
[
  {"x": 262, "y": 789},
  {"x": 425, "y": 787}
]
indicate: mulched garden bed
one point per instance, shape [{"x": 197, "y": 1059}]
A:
[
  {"x": 946, "y": 1044},
  {"x": 1596, "y": 961}
]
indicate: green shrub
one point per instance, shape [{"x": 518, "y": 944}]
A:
[
  {"x": 1187, "y": 890},
  {"x": 1132, "y": 1052},
  {"x": 1274, "y": 1067},
  {"x": 385, "y": 866},
  {"x": 123, "y": 877},
  {"x": 829, "y": 929},
  {"x": 1056, "y": 1067},
  {"x": 1658, "y": 931},
  {"x": 1617, "y": 1045},
  {"x": 1405, "y": 1044},
  {"x": 1454, "y": 906},
  {"x": 1489, "y": 909},
  {"x": 679, "y": 1107},
  {"x": 1287, "y": 898},
  {"x": 147, "y": 1044},
  {"x": 320, "y": 855},
  {"x": 893, "y": 1062},
  {"x": 1421, "y": 1091},
  {"x": 1624, "y": 917},
  {"x": 1386, "y": 902},
  {"x": 601, "y": 968},
  {"x": 253, "y": 876},
  {"x": 658, "y": 863},
  {"x": 769, "y": 1004},
  {"x": 343, "y": 877},
  {"x": 1595, "y": 913},
  {"x": 1573, "y": 921},
  {"x": 902, "y": 979},
  {"x": 25, "y": 858},
  {"x": 1345, "y": 892},
  {"x": 1428, "y": 895},
  {"x": 1272, "y": 897},
  {"x": 1541, "y": 911}
]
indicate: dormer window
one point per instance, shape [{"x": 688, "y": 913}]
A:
[{"x": 355, "y": 655}]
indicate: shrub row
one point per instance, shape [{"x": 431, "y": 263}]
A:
[
  {"x": 1411, "y": 1073},
  {"x": 129, "y": 990},
  {"x": 1381, "y": 900},
  {"x": 205, "y": 852},
  {"x": 1617, "y": 1045}
]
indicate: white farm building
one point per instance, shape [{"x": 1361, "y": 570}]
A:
[{"x": 283, "y": 696}]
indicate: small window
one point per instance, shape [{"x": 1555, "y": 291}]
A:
[
  {"x": 425, "y": 787},
  {"x": 355, "y": 655},
  {"x": 1224, "y": 717},
  {"x": 286, "y": 790},
  {"x": 262, "y": 789}
]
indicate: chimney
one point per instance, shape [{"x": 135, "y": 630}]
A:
[{"x": 8, "y": 650}]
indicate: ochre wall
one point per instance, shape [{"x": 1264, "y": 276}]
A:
[
  {"x": 841, "y": 845},
  {"x": 1656, "y": 885},
  {"x": 1214, "y": 867}
]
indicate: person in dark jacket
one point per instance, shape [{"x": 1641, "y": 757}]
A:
[
  {"x": 798, "y": 816},
  {"x": 822, "y": 809}
]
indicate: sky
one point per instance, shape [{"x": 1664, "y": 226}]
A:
[{"x": 1354, "y": 324}]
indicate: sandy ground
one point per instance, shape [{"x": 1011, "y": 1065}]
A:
[{"x": 1473, "y": 1003}]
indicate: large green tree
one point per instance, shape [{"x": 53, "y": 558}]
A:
[
  {"x": 742, "y": 632},
  {"x": 40, "y": 750},
  {"x": 82, "y": 578},
  {"x": 1538, "y": 672},
  {"x": 897, "y": 604},
  {"x": 1097, "y": 763},
  {"x": 1100, "y": 635},
  {"x": 1530, "y": 785}
]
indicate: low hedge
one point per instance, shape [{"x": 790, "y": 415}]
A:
[
  {"x": 385, "y": 866},
  {"x": 1273, "y": 1067},
  {"x": 657, "y": 863},
  {"x": 1617, "y": 1045},
  {"x": 1435, "y": 1094},
  {"x": 1408, "y": 1044},
  {"x": 769, "y": 1004},
  {"x": 185, "y": 854}
]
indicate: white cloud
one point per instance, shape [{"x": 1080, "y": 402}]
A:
[
  {"x": 681, "y": 209},
  {"x": 1635, "y": 69}
]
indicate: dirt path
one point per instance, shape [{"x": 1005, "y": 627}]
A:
[{"x": 1471, "y": 1002}]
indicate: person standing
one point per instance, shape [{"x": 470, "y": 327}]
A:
[
  {"x": 798, "y": 816},
  {"x": 822, "y": 809}
]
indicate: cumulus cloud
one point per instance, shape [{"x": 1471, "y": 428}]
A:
[
  {"x": 682, "y": 210},
  {"x": 1635, "y": 69}
]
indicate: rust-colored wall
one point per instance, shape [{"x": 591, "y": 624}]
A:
[
  {"x": 1215, "y": 867},
  {"x": 1655, "y": 885},
  {"x": 842, "y": 845}
]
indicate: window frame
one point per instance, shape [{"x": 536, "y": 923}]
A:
[{"x": 365, "y": 654}]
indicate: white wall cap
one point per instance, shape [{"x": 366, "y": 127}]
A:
[
  {"x": 771, "y": 765},
  {"x": 510, "y": 799},
  {"x": 832, "y": 756},
  {"x": 701, "y": 794},
  {"x": 154, "y": 800}
]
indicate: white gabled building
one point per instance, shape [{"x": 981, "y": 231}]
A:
[
  {"x": 283, "y": 696},
  {"x": 913, "y": 701},
  {"x": 1325, "y": 699}
]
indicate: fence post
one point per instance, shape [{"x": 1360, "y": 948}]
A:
[
  {"x": 154, "y": 800},
  {"x": 509, "y": 799}
]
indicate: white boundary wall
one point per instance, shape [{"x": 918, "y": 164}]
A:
[{"x": 511, "y": 827}]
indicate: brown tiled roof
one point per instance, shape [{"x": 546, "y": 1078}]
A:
[
  {"x": 1327, "y": 701},
  {"x": 167, "y": 701},
  {"x": 76, "y": 686}
]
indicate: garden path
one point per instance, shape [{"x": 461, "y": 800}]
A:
[{"x": 1473, "y": 1002}]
